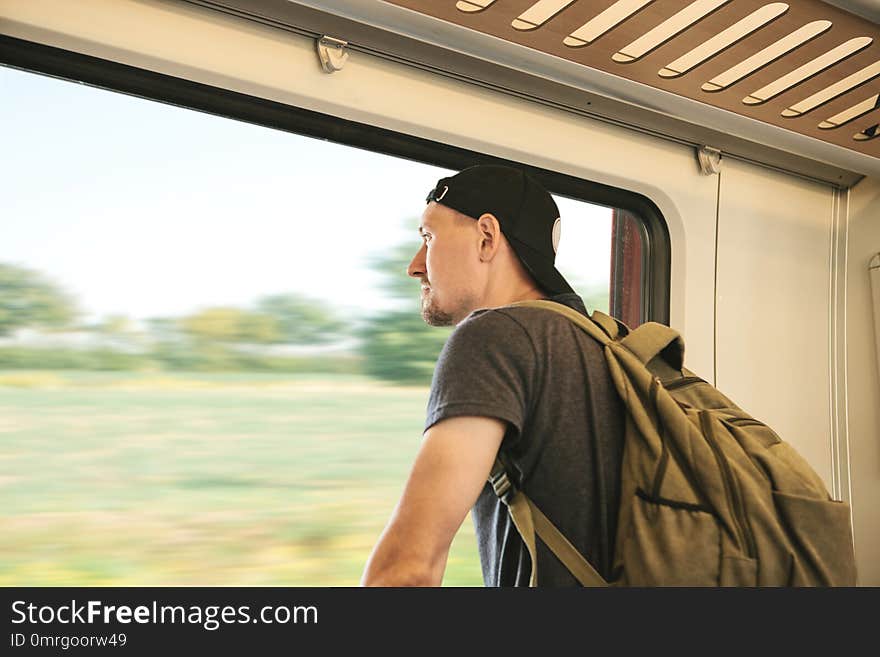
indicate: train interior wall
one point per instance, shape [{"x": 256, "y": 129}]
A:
[{"x": 862, "y": 379}]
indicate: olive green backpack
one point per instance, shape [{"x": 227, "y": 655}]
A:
[{"x": 709, "y": 495}]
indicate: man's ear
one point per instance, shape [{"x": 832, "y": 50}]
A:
[{"x": 490, "y": 235}]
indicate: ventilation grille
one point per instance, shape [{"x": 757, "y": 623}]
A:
[{"x": 801, "y": 65}]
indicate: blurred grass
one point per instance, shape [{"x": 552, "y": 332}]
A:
[
  {"x": 201, "y": 357},
  {"x": 152, "y": 479}
]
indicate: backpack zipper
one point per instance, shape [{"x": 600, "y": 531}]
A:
[
  {"x": 734, "y": 497},
  {"x": 678, "y": 383},
  {"x": 744, "y": 421},
  {"x": 668, "y": 448},
  {"x": 664, "y": 455}
]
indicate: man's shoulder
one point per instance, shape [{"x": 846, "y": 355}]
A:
[
  {"x": 527, "y": 317},
  {"x": 487, "y": 332},
  {"x": 486, "y": 323}
]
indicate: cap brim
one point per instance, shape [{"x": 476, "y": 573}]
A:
[{"x": 541, "y": 269}]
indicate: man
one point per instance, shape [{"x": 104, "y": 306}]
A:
[{"x": 525, "y": 381}]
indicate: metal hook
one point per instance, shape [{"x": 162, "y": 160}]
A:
[
  {"x": 709, "y": 159},
  {"x": 332, "y": 53}
]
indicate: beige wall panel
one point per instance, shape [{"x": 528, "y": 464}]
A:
[
  {"x": 862, "y": 379},
  {"x": 197, "y": 44},
  {"x": 774, "y": 305}
]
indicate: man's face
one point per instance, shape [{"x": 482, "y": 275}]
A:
[{"x": 446, "y": 265}]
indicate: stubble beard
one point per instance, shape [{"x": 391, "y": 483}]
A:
[{"x": 434, "y": 316}]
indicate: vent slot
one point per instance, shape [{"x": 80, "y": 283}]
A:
[
  {"x": 808, "y": 70},
  {"x": 769, "y": 54},
  {"x": 851, "y": 113},
  {"x": 687, "y": 17},
  {"x": 607, "y": 20},
  {"x": 867, "y": 134},
  {"x": 471, "y": 6},
  {"x": 539, "y": 13},
  {"x": 739, "y": 30},
  {"x": 831, "y": 92}
]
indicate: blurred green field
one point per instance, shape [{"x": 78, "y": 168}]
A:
[{"x": 167, "y": 479}]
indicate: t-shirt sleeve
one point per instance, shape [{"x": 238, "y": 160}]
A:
[{"x": 486, "y": 368}]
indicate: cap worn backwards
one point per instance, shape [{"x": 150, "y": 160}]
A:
[{"x": 526, "y": 213}]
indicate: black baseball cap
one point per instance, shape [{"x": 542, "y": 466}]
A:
[{"x": 526, "y": 212}]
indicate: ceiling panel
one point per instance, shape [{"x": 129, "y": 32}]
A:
[{"x": 802, "y": 65}]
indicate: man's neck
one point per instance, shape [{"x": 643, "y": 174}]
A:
[{"x": 512, "y": 296}]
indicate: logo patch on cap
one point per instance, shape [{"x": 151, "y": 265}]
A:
[{"x": 557, "y": 230}]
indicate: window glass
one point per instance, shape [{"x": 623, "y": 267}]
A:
[
  {"x": 584, "y": 253},
  {"x": 212, "y": 366}
]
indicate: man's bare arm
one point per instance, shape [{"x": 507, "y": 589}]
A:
[{"x": 447, "y": 476}]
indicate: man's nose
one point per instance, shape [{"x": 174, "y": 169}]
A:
[{"x": 416, "y": 267}]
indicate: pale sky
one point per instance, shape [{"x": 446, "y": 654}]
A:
[{"x": 146, "y": 210}]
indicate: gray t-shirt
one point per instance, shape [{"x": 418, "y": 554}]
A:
[{"x": 549, "y": 381}]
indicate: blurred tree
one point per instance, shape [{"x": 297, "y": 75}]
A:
[
  {"x": 597, "y": 300},
  {"x": 301, "y": 320},
  {"x": 29, "y": 299},
  {"x": 212, "y": 324},
  {"x": 259, "y": 328},
  {"x": 116, "y": 325},
  {"x": 230, "y": 325},
  {"x": 397, "y": 345},
  {"x": 392, "y": 266},
  {"x": 595, "y": 297},
  {"x": 164, "y": 328},
  {"x": 120, "y": 332}
]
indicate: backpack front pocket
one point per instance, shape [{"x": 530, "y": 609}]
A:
[{"x": 671, "y": 544}]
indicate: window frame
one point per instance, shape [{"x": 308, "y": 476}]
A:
[{"x": 113, "y": 76}]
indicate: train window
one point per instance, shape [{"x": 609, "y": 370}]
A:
[{"x": 212, "y": 366}]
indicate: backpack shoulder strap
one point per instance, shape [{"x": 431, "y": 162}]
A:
[
  {"x": 652, "y": 339},
  {"x": 603, "y": 331},
  {"x": 530, "y": 521},
  {"x": 645, "y": 342},
  {"x": 613, "y": 327}
]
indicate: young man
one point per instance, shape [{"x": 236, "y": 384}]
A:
[{"x": 525, "y": 381}]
